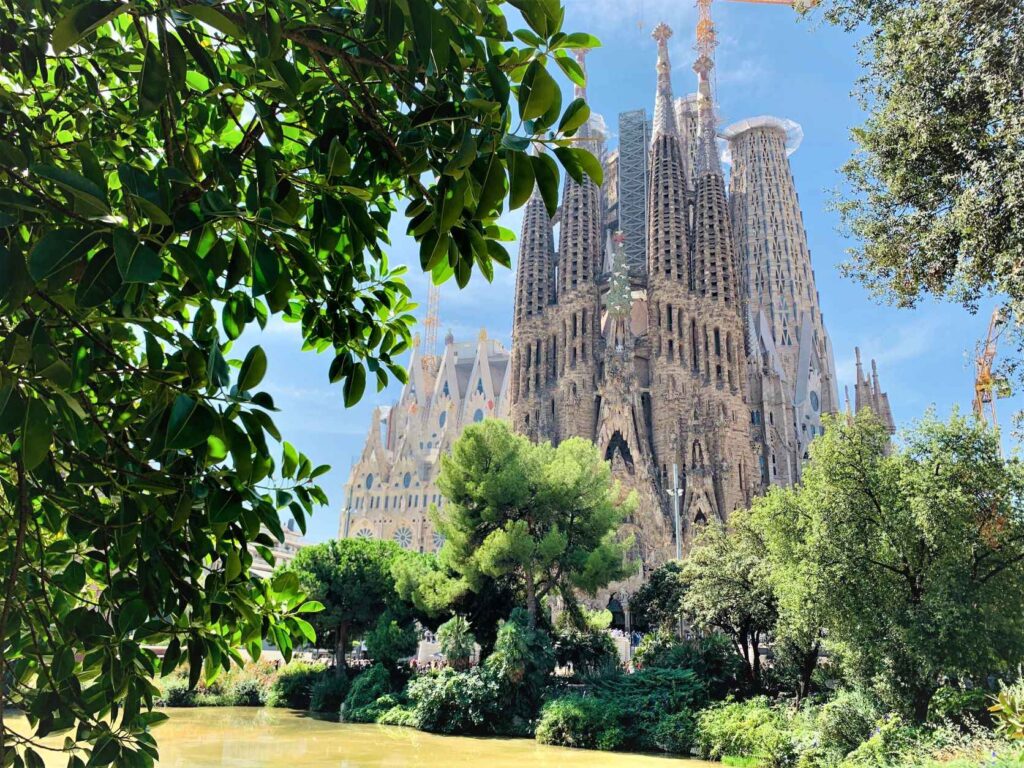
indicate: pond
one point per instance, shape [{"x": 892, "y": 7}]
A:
[{"x": 276, "y": 738}]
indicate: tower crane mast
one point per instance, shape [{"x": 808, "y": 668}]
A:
[{"x": 987, "y": 385}]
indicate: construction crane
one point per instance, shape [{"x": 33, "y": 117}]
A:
[
  {"x": 989, "y": 387},
  {"x": 706, "y": 37},
  {"x": 430, "y": 324}
]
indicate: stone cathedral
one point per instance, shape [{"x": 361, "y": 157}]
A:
[{"x": 677, "y": 323}]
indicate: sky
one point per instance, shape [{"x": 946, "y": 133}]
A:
[{"x": 768, "y": 61}]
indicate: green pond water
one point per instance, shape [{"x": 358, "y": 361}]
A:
[{"x": 274, "y": 738}]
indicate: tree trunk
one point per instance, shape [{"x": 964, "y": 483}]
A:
[
  {"x": 755, "y": 658},
  {"x": 922, "y": 698},
  {"x": 531, "y": 600},
  {"x": 808, "y": 664},
  {"x": 341, "y": 646}
]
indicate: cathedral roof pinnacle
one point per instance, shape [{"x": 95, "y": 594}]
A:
[
  {"x": 664, "y": 112},
  {"x": 580, "y": 91}
]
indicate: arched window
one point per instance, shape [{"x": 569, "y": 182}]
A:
[
  {"x": 697, "y": 456},
  {"x": 478, "y": 415},
  {"x": 369, "y": 481},
  {"x": 407, "y": 480},
  {"x": 479, "y": 386},
  {"x": 442, "y": 418}
]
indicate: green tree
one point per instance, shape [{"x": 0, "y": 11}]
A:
[
  {"x": 457, "y": 642},
  {"x": 657, "y": 604},
  {"x": 934, "y": 185},
  {"x": 916, "y": 553},
  {"x": 546, "y": 517},
  {"x": 727, "y": 589},
  {"x": 392, "y": 639},
  {"x": 352, "y": 579},
  {"x": 171, "y": 175}
]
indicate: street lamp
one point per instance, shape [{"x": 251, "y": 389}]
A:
[{"x": 676, "y": 493}]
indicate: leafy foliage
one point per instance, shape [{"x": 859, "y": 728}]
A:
[
  {"x": 727, "y": 590},
  {"x": 390, "y": 640},
  {"x": 450, "y": 701},
  {"x": 293, "y": 685},
  {"x": 544, "y": 516},
  {"x": 585, "y": 722},
  {"x": 713, "y": 658},
  {"x": 751, "y": 728},
  {"x": 657, "y": 604},
  {"x": 457, "y": 642},
  {"x": 917, "y": 554},
  {"x": 1008, "y": 710},
  {"x": 934, "y": 186},
  {"x": 173, "y": 175},
  {"x": 352, "y": 579},
  {"x": 363, "y": 704},
  {"x": 587, "y": 651},
  {"x": 329, "y": 691}
]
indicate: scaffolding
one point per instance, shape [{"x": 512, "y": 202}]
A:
[{"x": 634, "y": 141}]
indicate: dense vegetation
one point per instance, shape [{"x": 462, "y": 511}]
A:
[{"x": 172, "y": 175}]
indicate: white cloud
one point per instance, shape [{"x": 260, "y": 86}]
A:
[
  {"x": 916, "y": 337},
  {"x": 620, "y": 18}
]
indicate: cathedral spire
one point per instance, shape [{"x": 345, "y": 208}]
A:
[
  {"x": 707, "y": 146},
  {"x": 664, "y": 109},
  {"x": 667, "y": 245},
  {"x": 534, "y": 284}
]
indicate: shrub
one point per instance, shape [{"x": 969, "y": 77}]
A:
[
  {"x": 846, "y": 721},
  {"x": 586, "y": 651},
  {"x": 247, "y": 692},
  {"x": 329, "y": 692},
  {"x": 522, "y": 662},
  {"x": 457, "y": 642},
  {"x": 398, "y": 714},
  {"x": 293, "y": 686},
  {"x": 1008, "y": 710},
  {"x": 389, "y": 641},
  {"x": 749, "y": 728},
  {"x": 450, "y": 701},
  {"x": 713, "y": 658},
  {"x": 361, "y": 703},
  {"x": 960, "y": 706},
  {"x": 675, "y": 733},
  {"x": 885, "y": 747},
  {"x": 176, "y": 693},
  {"x": 586, "y": 722}
]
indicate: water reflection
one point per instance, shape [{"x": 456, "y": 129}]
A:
[{"x": 274, "y": 738}]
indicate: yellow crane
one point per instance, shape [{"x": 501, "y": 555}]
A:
[
  {"x": 988, "y": 386},
  {"x": 706, "y": 37}
]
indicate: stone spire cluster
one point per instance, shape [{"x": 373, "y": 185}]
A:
[{"x": 868, "y": 394}]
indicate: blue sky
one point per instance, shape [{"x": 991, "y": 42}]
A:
[{"x": 768, "y": 62}]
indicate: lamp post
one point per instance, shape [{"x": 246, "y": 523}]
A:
[{"x": 676, "y": 493}]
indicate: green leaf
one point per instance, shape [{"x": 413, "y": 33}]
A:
[
  {"x": 579, "y": 40},
  {"x": 575, "y": 115},
  {"x": 100, "y": 280},
  {"x": 590, "y": 164},
  {"x": 310, "y": 606},
  {"x": 536, "y": 92},
  {"x": 57, "y": 249},
  {"x": 36, "y": 434},
  {"x": 132, "y": 615},
  {"x": 254, "y": 367},
  {"x": 189, "y": 425},
  {"x": 452, "y": 194},
  {"x": 546, "y": 172},
  {"x": 81, "y": 21},
  {"x": 355, "y": 384},
  {"x": 493, "y": 188},
  {"x": 266, "y": 270},
  {"x": 289, "y": 459},
  {"x": 12, "y": 409},
  {"x": 572, "y": 70},
  {"x": 305, "y": 628},
  {"x": 521, "y": 176},
  {"x": 84, "y": 190},
  {"x": 153, "y": 83},
  {"x": 137, "y": 263},
  {"x": 213, "y": 18}
]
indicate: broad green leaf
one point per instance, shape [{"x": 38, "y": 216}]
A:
[
  {"x": 575, "y": 115},
  {"x": 590, "y": 164},
  {"x": 253, "y": 369},
  {"x": 355, "y": 384},
  {"x": 36, "y": 434},
  {"x": 12, "y": 408},
  {"x": 137, "y": 263},
  {"x": 81, "y": 21},
  {"x": 536, "y": 92},
  {"x": 214, "y": 18},
  {"x": 100, "y": 280},
  {"x": 153, "y": 83},
  {"x": 266, "y": 270},
  {"x": 546, "y": 172},
  {"x": 451, "y": 193},
  {"x": 289, "y": 459},
  {"x": 87, "y": 192},
  {"x": 189, "y": 425},
  {"x": 521, "y": 176},
  {"x": 57, "y": 249},
  {"x": 579, "y": 40},
  {"x": 572, "y": 70},
  {"x": 493, "y": 188}
]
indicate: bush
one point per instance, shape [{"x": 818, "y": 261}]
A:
[
  {"x": 176, "y": 693},
  {"x": 398, "y": 714},
  {"x": 674, "y": 733},
  {"x": 886, "y": 746},
  {"x": 361, "y": 704},
  {"x": 329, "y": 692},
  {"x": 248, "y": 692},
  {"x": 586, "y": 651},
  {"x": 846, "y": 721},
  {"x": 522, "y": 662},
  {"x": 1008, "y": 711},
  {"x": 457, "y": 642},
  {"x": 449, "y": 701},
  {"x": 713, "y": 658},
  {"x": 586, "y": 722},
  {"x": 389, "y": 641},
  {"x": 751, "y": 728},
  {"x": 960, "y": 706},
  {"x": 293, "y": 686}
]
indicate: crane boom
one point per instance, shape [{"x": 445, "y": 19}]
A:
[{"x": 986, "y": 383}]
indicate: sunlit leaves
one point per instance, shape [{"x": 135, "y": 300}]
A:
[{"x": 81, "y": 20}]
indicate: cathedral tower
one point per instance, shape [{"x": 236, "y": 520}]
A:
[
  {"x": 576, "y": 320},
  {"x": 532, "y": 363}
]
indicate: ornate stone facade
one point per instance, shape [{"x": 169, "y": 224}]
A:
[
  {"x": 393, "y": 484},
  {"x": 709, "y": 355}
]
